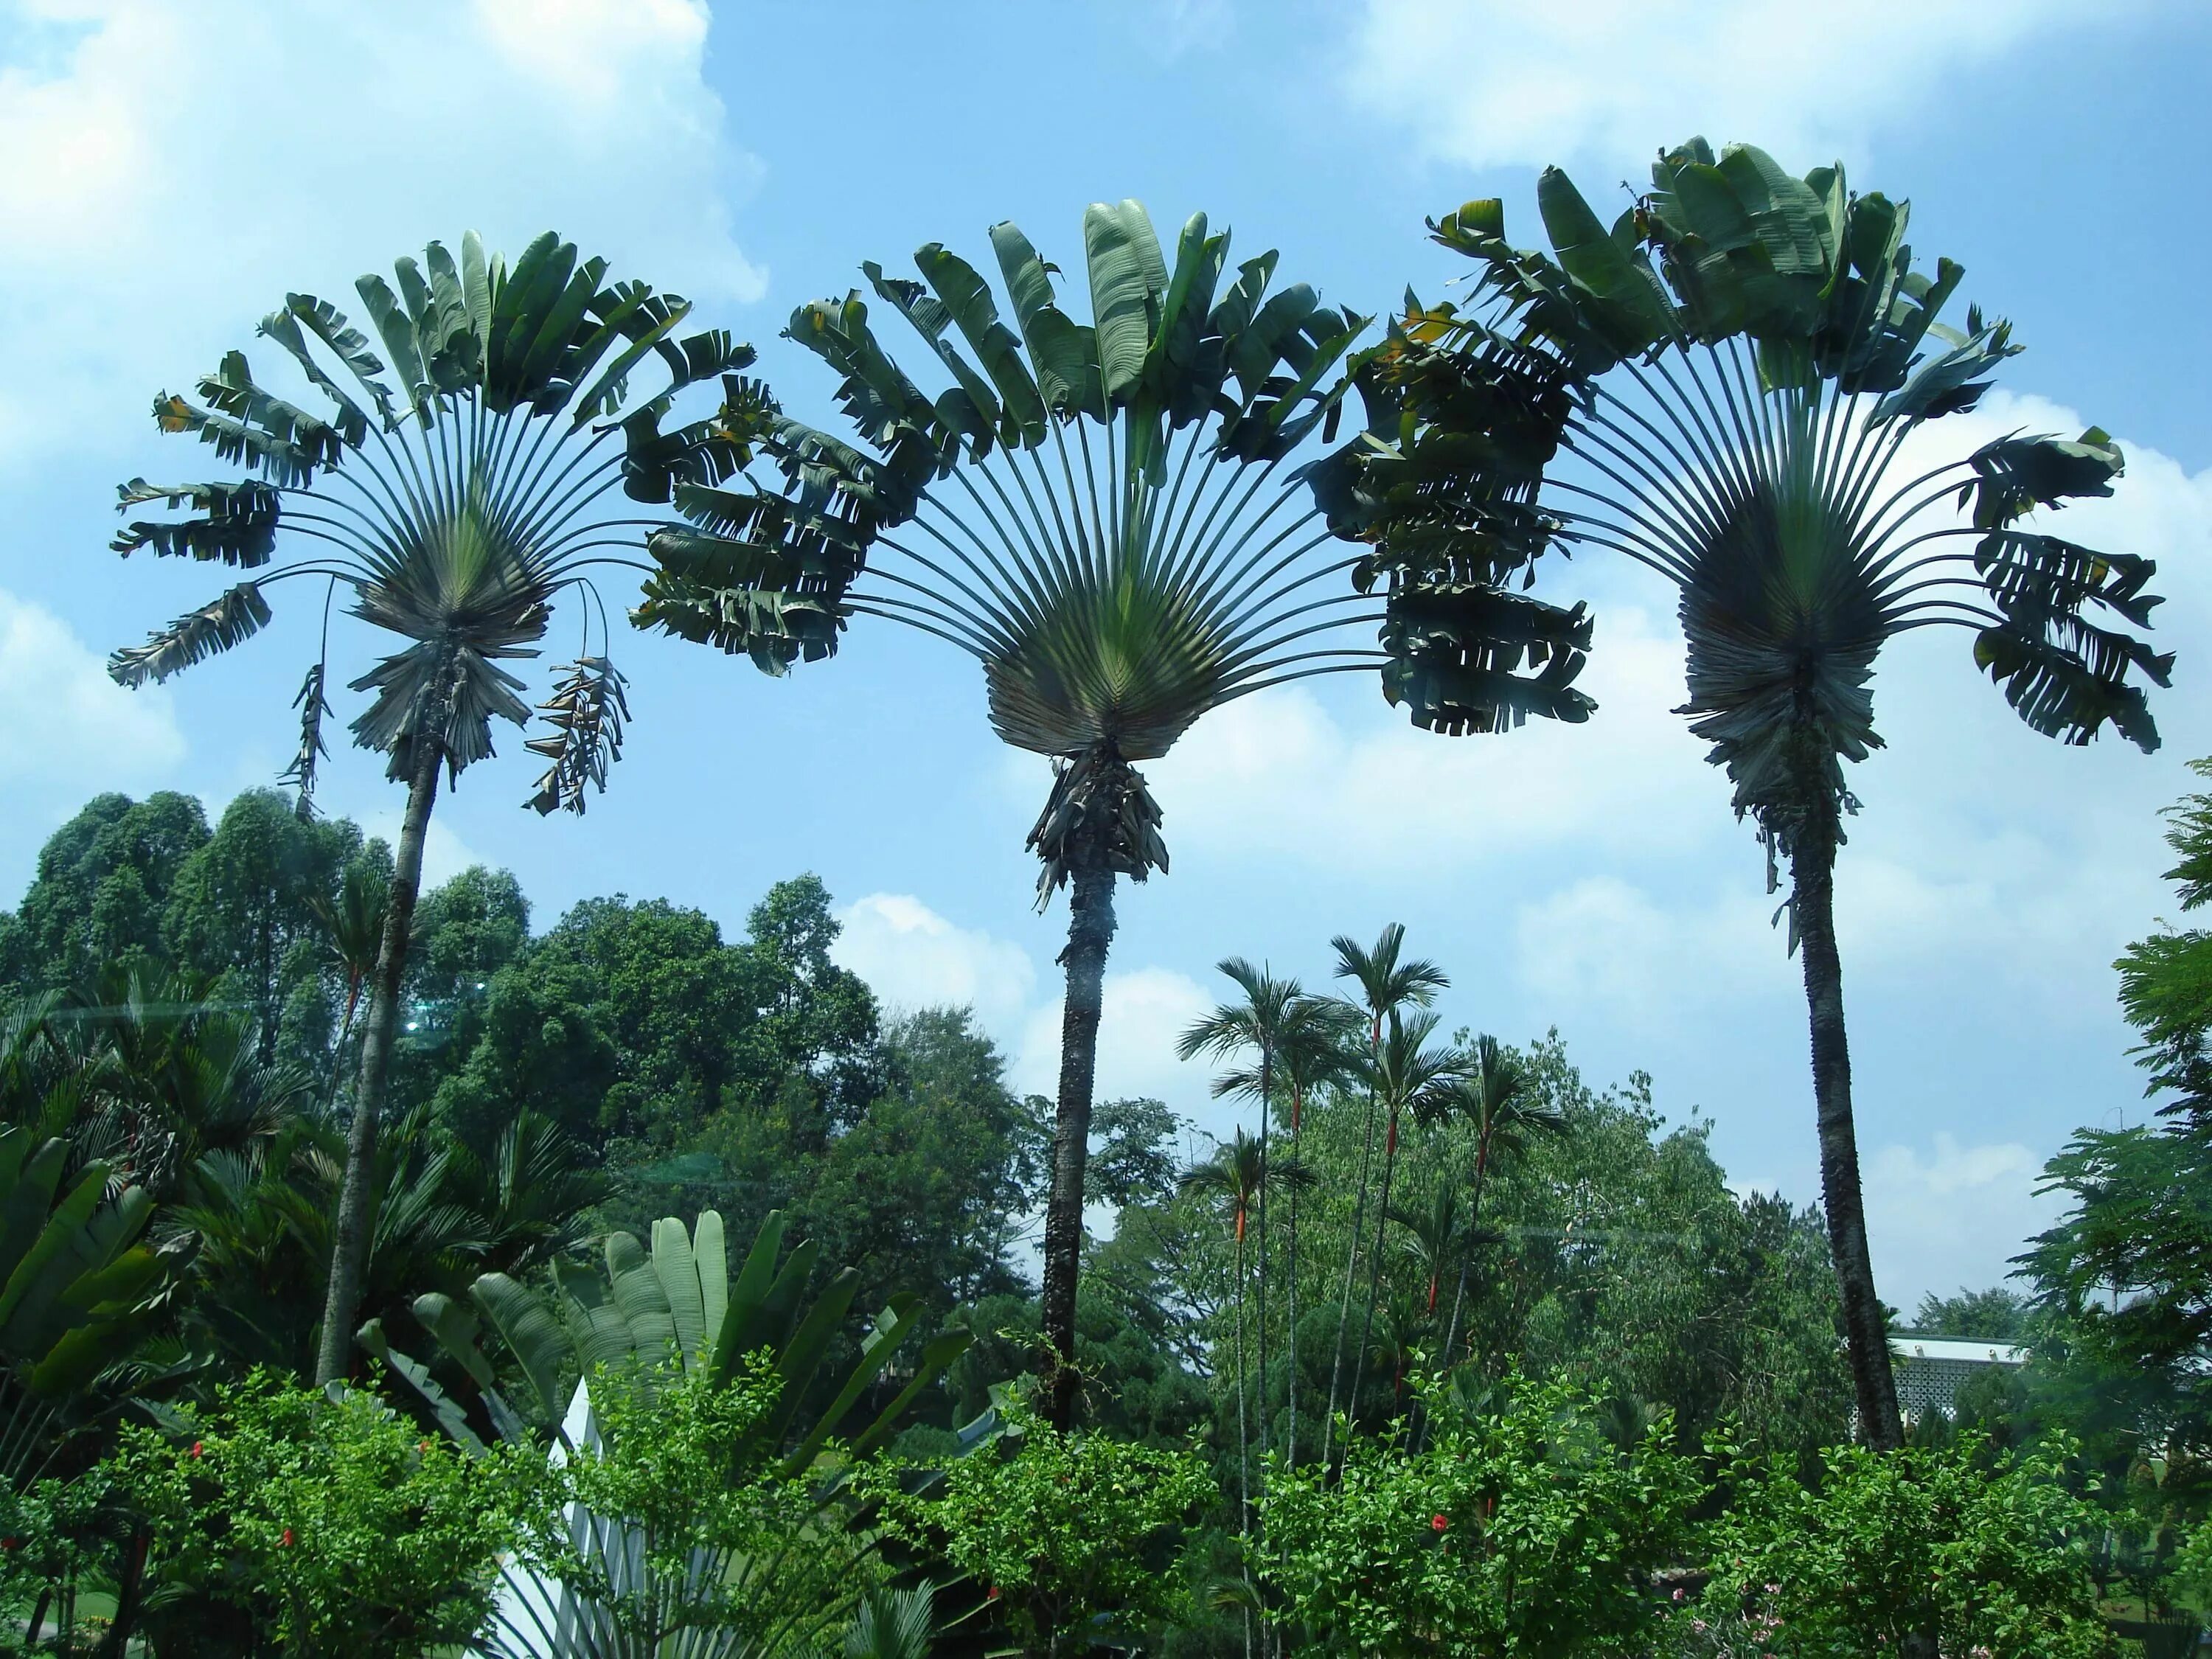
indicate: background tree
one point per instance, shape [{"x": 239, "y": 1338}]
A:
[
  {"x": 101, "y": 892},
  {"x": 1718, "y": 388},
  {"x": 454, "y": 502},
  {"x": 1996, "y": 1315},
  {"x": 1497, "y": 1099},
  {"x": 1104, "y": 515},
  {"x": 248, "y": 898}
]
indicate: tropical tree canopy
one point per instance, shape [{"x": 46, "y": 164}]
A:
[
  {"x": 1733, "y": 367},
  {"x": 454, "y": 485}
]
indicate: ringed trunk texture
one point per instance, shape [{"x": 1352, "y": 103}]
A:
[
  {"x": 1090, "y": 931},
  {"x": 1813, "y": 868},
  {"x": 349, "y": 1241}
]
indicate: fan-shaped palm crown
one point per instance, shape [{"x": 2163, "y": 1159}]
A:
[
  {"x": 454, "y": 485},
  {"x": 1735, "y": 364},
  {"x": 1105, "y": 515}
]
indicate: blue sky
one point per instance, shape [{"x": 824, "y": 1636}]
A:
[{"x": 168, "y": 171}]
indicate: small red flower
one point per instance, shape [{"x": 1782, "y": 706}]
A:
[
  {"x": 285, "y": 1542},
  {"x": 196, "y": 1448},
  {"x": 992, "y": 1593},
  {"x": 1437, "y": 1523},
  {"x": 10, "y": 1543}
]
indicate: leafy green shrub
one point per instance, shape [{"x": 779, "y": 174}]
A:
[
  {"x": 688, "y": 1481},
  {"x": 1992, "y": 1561},
  {"x": 1519, "y": 1529},
  {"x": 333, "y": 1522},
  {"x": 1063, "y": 1532}
]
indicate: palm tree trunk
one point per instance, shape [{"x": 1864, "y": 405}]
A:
[
  {"x": 1090, "y": 931},
  {"x": 1243, "y": 1434},
  {"x": 1351, "y": 1267},
  {"x": 1466, "y": 1255},
  {"x": 1291, "y": 1278},
  {"x": 1260, "y": 1326},
  {"x": 1813, "y": 867},
  {"x": 349, "y": 1240},
  {"x": 1374, "y": 1266}
]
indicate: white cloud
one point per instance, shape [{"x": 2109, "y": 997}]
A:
[
  {"x": 1281, "y": 772},
  {"x": 1491, "y": 83},
  {"x": 170, "y": 168},
  {"x": 1146, "y": 1011},
  {"x": 1949, "y": 1216},
  {"x": 70, "y": 728},
  {"x": 914, "y": 959}
]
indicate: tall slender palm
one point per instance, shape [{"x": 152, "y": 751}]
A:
[
  {"x": 1238, "y": 1175},
  {"x": 1387, "y": 985},
  {"x": 1313, "y": 1054},
  {"x": 1720, "y": 387},
  {"x": 1498, "y": 1099},
  {"x": 1406, "y": 1075},
  {"x": 455, "y": 495},
  {"x": 1258, "y": 1025},
  {"x": 1111, "y": 518}
]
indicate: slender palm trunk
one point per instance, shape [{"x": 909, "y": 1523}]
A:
[
  {"x": 1374, "y": 1266},
  {"x": 1467, "y": 1254},
  {"x": 1243, "y": 1433},
  {"x": 349, "y": 1239},
  {"x": 1261, "y": 1324},
  {"x": 1291, "y": 1278},
  {"x": 1813, "y": 869},
  {"x": 1090, "y": 931},
  {"x": 1350, "y": 1265}
]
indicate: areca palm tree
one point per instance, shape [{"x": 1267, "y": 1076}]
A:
[
  {"x": 1274, "y": 1017},
  {"x": 1238, "y": 1175},
  {"x": 1112, "y": 518},
  {"x": 1387, "y": 984},
  {"x": 1719, "y": 387},
  {"x": 455, "y": 487},
  {"x": 1405, "y": 1075},
  {"x": 1496, "y": 1097}
]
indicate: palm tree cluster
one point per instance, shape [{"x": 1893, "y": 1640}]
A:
[
  {"x": 1130, "y": 522},
  {"x": 1377, "y": 1048}
]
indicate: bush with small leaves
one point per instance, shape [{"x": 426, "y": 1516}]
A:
[
  {"x": 334, "y": 1524},
  {"x": 1067, "y": 1534},
  {"x": 1991, "y": 1560},
  {"x": 1519, "y": 1529}
]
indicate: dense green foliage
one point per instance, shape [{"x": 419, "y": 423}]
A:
[
  {"x": 1518, "y": 1527},
  {"x": 1884, "y": 1548},
  {"x": 321, "y": 1525},
  {"x": 1070, "y": 1536}
]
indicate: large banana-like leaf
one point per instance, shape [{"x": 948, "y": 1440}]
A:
[{"x": 672, "y": 1306}]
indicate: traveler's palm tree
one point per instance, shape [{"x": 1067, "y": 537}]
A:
[
  {"x": 1238, "y": 1176},
  {"x": 1499, "y": 1100},
  {"x": 1388, "y": 983},
  {"x": 455, "y": 486},
  {"x": 1718, "y": 387},
  {"x": 1112, "y": 518}
]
